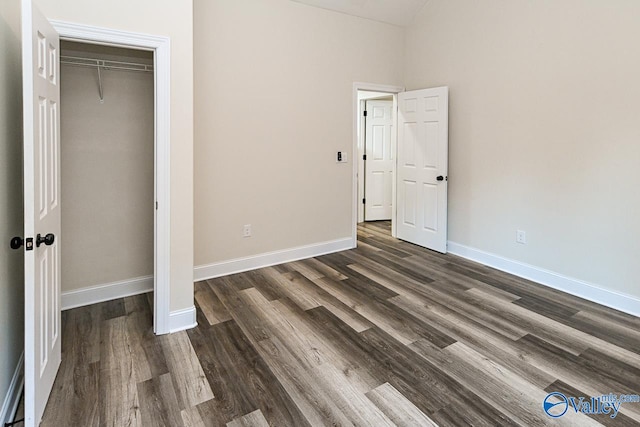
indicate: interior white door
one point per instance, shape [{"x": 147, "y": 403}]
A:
[
  {"x": 423, "y": 142},
  {"x": 379, "y": 161},
  {"x": 41, "y": 100}
]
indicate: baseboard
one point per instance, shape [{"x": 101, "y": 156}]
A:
[
  {"x": 180, "y": 320},
  {"x": 238, "y": 265},
  {"x": 588, "y": 291},
  {"x": 106, "y": 292},
  {"x": 12, "y": 398}
]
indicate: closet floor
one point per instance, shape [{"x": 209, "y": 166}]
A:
[{"x": 388, "y": 333}]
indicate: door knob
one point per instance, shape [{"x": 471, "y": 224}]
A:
[
  {"x": 47, "y": 240},
  {"x": 440, "y": 178},
  {"x": 16, "y": 242}
]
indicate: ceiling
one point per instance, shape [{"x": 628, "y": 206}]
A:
[{"x": 397, "y": 12}]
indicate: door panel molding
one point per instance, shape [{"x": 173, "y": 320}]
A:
[
  {"x": 41, "y": 95},
  {"x": 423, "y": 117},
  {"x": 379, "y": 165}
]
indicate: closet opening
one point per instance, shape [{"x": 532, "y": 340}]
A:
[{"x": 107, "y": 165}]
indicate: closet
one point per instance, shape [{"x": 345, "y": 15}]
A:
[{"x": 107, "y": 169}]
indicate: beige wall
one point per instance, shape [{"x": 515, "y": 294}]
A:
[
  {"x": 107, "y": 176},
  {"x": 544, "y": 133},
  {"x": 273, "y": 105},
  {"x": 11, "y": 222},
  {"x": 172, "y": 18}
]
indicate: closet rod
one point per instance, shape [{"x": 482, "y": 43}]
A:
[
  {"x": 105, "y": 64},
  {"x": 99, "y": 64}
]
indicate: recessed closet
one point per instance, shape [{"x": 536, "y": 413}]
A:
[{"x": 107, "y": 170}]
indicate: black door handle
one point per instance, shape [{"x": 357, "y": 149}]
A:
[
  {"x": 47, "y": 240},
  {"x": 16, "y": 242},
  {"x": 440, "y": 178}
]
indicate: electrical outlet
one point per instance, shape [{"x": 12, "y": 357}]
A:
[
  {"x": 521, "y": 237},
  {"x": 246, "y": 230}
]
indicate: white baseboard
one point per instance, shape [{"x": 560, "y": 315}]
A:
[
  {"x": 106, "y": 292},
  {"x": 180, "y": 320},
  {"x": 612, "y": 299},
  {"x": 238, "y": 265},
  {"x": 12, "y": 398}
]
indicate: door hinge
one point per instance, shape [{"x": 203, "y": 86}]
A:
[
  {"x": 156, "y": 205},
  {"x": 365, "y": 113},
  {"x": 364, "y": 201},
  {"x": 364, "y": 157}
]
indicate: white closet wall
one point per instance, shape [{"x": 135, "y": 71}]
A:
[{"x": 107, "y": 152}]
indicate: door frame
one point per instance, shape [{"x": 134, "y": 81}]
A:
[
  {"x": 373, "y": 87},
  {"x": 160, "y": 46}
]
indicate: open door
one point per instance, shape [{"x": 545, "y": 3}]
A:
[
  {"x": 41, "y": 100},
  {"x": 379, "y": 161},
  {"x": 423, "y": 145}
]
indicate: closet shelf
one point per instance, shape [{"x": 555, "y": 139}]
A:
[{"x": 105, "y": 64}]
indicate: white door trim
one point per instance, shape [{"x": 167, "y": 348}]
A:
[
  {"x": 160, "y": 45},
  {"x": 373, "y": 87},
  {"x": 361, "y": 152}
]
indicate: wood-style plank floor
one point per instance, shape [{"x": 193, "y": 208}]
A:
[{"x": 386, "y": 334}]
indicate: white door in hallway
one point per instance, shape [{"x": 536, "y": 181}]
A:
[
  {"x": 379, "y": 160},
  {"x": 423, "y": 141},
  {"x": 41, "y": 102}
]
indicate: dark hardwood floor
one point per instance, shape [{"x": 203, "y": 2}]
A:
[{"x": 386, "y": 334}]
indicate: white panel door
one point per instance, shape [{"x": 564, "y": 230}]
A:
[
  {"x": 379, "y": 161},
  {"x": 423, "y": 142},
  {"x": 41, "y": 98}
]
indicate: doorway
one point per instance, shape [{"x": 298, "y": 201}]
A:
[
  {"x": 363, "y": 92},
  {"x": 41, "y": 188},
  {"x": 418, "y": 166},
  {"x": 376, "y": 140},
  {"x": 106, "y": 172},
  {"x": 159, "y": 47}
]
